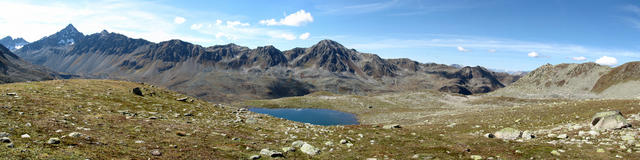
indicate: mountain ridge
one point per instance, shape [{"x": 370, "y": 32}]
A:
[{"x": 325, "y": 66}]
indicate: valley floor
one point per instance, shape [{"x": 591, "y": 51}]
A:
[{"x": 104, "y": 119}]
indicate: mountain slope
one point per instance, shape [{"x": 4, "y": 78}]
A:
[
  {"x": 559, "y": 81},
  {"x": 14, "y": 69},
  {"x": 231, "y": 72},
  {"x": 587, "y": 80}
]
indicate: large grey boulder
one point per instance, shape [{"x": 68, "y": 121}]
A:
[
  {"x": 508, "y": 134},
  {"x": 309, "y": 149},
  {"x": 609, "y": 120}
]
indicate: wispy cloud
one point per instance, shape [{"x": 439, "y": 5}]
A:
[
  {"x": 461, "y": 49},
  {"x": 635, "y": 19},
  {"x": 235, "y": 30},
  {"x": 579, "y": 58},
  {"x": 359, "y": 8},
  {"x": 493, "y": 44}
]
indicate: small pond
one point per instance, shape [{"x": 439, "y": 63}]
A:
[{"x": 325, "y": 117}]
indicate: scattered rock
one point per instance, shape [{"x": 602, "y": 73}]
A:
[
  {"x": 188, "y": 114},
  {"x": 137, "y": 91},
  {"x": 343, "y": 141},
  {"x": 349, "y": 145},
  {"x": 562, "y": 136},
  {"x": 183, "y": 99},
  {"x": 25, "y": 136},
  {"x": 508, "y": 134},
  {"x": 53, "y": 141},
  {"x": 254, "y": 157},
  {"x": 609, "y": 120},
  {"x": 527, "y": 135},
  {"x": 4, "y": 134},
  {"x": 288, "y": 149},
  {"x": 5, "y": 140},
  {"x": 476, "y": 157},
  {"x": 489, "y": 135},
  {"x": 391, "y": 126},
  {"x": 271, "y": 153},
  {"x": 156, "y": 152},
  {"x": 10, "y": 145},
  {"x": 12, "y": 94},
  {"x": 75, "y": 134},
  {"x": 181, "y": 133},
  {"x": 328, "y": 143},
  {"x": 309, "y": 149},
  {"x": 555, "y": 153}
]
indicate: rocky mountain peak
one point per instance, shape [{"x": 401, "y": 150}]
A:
[{"x": 13, "y": 44}]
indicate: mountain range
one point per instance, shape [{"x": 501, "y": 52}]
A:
[
  {"x": 13, "y": 44},
  {"x": 231, "y": 72}
]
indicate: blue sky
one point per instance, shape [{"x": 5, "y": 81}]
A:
[{"x": 500, "y": 34}]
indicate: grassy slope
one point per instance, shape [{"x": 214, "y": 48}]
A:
[
  {"x": 70, "y": 105},
  {"x": 484, "y": 115}
]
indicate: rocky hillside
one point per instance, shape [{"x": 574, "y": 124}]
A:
[
  {"x": 231, "y": 72},
  {"x": 13, "y": 44},
  {"x": 587, "y": 80},
  {"x": 14, "y": 69}
]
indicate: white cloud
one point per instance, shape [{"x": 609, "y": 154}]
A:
[
  {"x": 218, "y": 22},
  {"x": 179, "y": 20},
  {"x": 533, "y": 54},
  {"x": 492, "y": 50},
  {"x": 304, "y": 36},
  {"x": 580, "y": 58},
  {"x": 232, "y": 24},
  {"x": 196, "y": 26},
  {"x": 296, "y": 19},
  {"x": 461, "y": 49},
  {"x": 606, "y": 60}
]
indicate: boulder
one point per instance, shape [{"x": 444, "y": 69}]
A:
[
  {"x": 75, "y": 134},
  {"x": 527, "y": 135},
  {"x": 183, "y": 99},
  {"x": 53, "y": 141},
  {"x": 254, "y": 157},
  {"x": 288, "y": 149},
  {"x": 508, "y": 134},
  {"x": 271, "y": 153},
  {"x": 391, "y": 126},
  {"x": 5, "y": 140},
  {"x": 609, "y": 120},
  {"x": 156, "y": 152},
  {"x": 309, "y": 149},
  {"x": 137, "y": 91},
  {"x": 297, "y": 144}
]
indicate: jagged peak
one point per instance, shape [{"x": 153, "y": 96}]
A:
[
  {"x": 69, "y": 29},
  {"x": 7, "y": 38},
  {"x": 104, "y": 32},
  {"x": 329, "y": 43}
]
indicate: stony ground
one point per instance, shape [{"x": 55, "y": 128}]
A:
[{"x": 103, "y": 119}]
